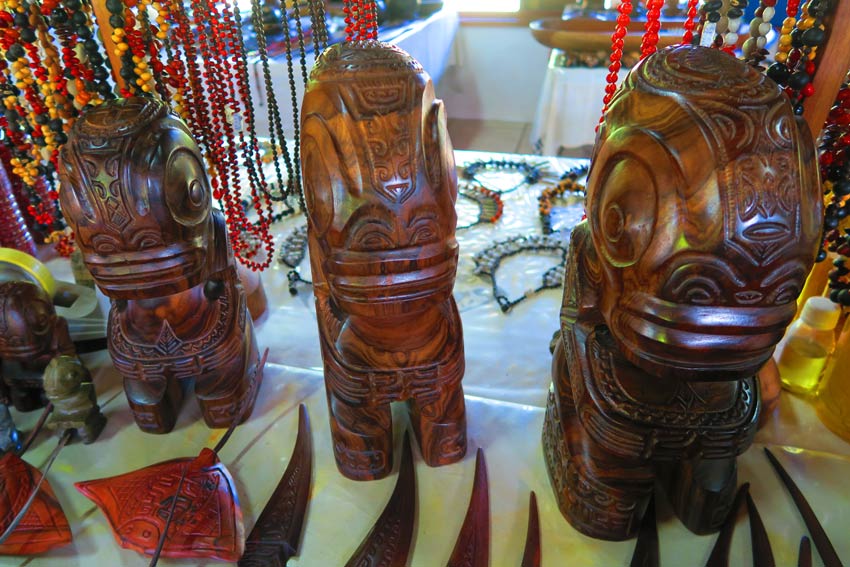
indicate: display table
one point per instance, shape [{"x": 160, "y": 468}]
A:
[
  {"x": 506, "y": 382},
  {"x": 429, "y": 41}
]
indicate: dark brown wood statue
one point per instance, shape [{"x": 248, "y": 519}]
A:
[
  {"x": 31, "y": 334},
  {"x": 380, "y": 187},
  {"x": 703, "y": 214},
  {"x": 135, "y": 191}
]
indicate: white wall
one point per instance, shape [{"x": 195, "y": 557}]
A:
[{"x": 495, "y": 73}]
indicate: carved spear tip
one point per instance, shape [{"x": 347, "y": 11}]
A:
[
  {"x": 646, "y": 550},
  {"x": 473, "y": 543},
  {"x": 821, "y": 540},
  {"x": 805, "y": 558},
  {"x": 720, "y": 553},
  {"x": 762, "y": 553},
  {"x": 532, "y": 555},
  {"x": 389, "y": 541},
  {"x": 276, "y": 537}
]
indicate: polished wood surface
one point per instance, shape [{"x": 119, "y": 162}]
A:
[
  {"x": 704, "y": 216},
  {"x": 390, "y": 539},
  {"x": 276, "y": 536},
  {"x": 472, "y": 548},
  {"x": 207, "y": 518},
  {"x": 31, "y": 334},
  {"x": 44, "y": 526},
  {"x": 136, "y": 193},
  {"x": 380, "y": 187}
]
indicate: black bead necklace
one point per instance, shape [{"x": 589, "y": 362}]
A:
[{"x": 487, "y": 263}]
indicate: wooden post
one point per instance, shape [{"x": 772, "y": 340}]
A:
[
  {"x": 101, "y": 14},
  {"x": 832, "y": 66}
]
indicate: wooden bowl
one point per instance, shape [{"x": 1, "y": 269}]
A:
[{"x": 589, "y": 34}]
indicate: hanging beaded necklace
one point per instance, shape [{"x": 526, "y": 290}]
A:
[
  {"x": 487, "y": 263},
  {"x": 623, "y": 19},
  {"x": 798, "y": 46},
  {"x": 754, "y": 47}
]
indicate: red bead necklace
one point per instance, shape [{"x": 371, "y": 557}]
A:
[
  {"x": 361, "y": 20},
  {"x": 617, "y": 43},
  {"x": 649, "y": 43},
  {"x": 690, "y": 23}
]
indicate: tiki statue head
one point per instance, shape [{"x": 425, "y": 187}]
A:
[
  {"x": 380, "y": 182},
  {"x": 135, "y": 191},
  {"x": 28, "y": 321},
  {"x": 704, "y": 209}
]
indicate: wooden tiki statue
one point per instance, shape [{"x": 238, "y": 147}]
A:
[
  {"x": 704, "y": 214},
  {"x": 380, "y": 187},
  {"x": 31, "y": 334},
  {"x": 135, "y": 191}
]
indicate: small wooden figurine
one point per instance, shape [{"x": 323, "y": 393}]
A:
[
  {"x": 704, "y": 216},
  {"x": 31, "y": 334},
  {"x": 135, "y": 191},
  {"x": 69, "y": 388},
  {"x": 380, "y": 187}
]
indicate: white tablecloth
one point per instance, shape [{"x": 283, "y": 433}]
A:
[
  {"x": 506, "y": 381},
  {"x": 569, "y": 107}
]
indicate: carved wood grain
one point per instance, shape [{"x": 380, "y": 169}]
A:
[
  {"x": 703, "y": 219},
  {"x": 276, "y": 536},
  {"x": 137, "y": 196},
  {"x": 380, "y": 186},
  {"x": 388, "y": 542}
]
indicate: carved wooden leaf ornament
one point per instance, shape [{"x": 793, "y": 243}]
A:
[
  {"x": 207, "y": 519},
  {"x": 45, "y": 526}
]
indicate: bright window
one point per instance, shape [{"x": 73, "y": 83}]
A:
[{"x": 484, "y": 5}]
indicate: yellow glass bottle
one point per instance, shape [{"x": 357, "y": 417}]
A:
[
  {"x": 807, "y": 344},
  {"x": 833, "y": 394}
]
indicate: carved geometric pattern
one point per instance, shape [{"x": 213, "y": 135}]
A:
[
  {"x": 207, "y": 521},
  {"x": 44, "y": 526}
]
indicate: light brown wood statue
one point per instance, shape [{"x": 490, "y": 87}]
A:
[
  {"x": 380, "y": 187},
  {"x": 703, "y": 214},
  {"x": 135, "y": 191},
  {"x": 69, "y": 387},
  {"x": 31, "y": 334}
]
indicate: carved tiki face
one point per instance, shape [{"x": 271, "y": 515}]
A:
[
  {"x": 27, "y": 321},
  {"x": 704, "y": 208},
  {"x": 134, "y": 189},
  {"x": 379, "y": 180}
]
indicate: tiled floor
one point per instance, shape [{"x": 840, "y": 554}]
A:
[{"x": 499, "y": 136}]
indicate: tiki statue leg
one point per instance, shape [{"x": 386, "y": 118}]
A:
[
  {"x": 225, "y": 391},
  {"x": 362, "y": 439},
  {"x": 155, "y": 402},
  {"x": 701, "y": 491},
  {"x": 440, "y": 427}
]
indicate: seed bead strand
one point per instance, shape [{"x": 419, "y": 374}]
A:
[{"x": 754, "y": 47}]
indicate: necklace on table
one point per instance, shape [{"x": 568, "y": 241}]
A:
[
  {"x": 293, "y": 250},
  {"x": 490, "y": 205},
  {"x": 487, "y": 263},
  {"x": 531, "y": 172},
  {"x": 567, "y": 184}
]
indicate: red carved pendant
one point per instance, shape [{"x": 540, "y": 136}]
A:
[
  {"x": 207, "y": 519},
  {"x": 44, "y": 526}
]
